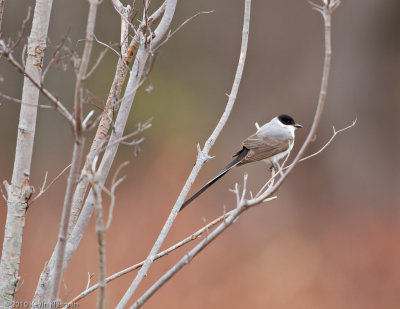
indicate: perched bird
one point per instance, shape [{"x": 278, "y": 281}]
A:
[{"x": 272, "y": 142}]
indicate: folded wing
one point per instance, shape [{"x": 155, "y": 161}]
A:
[{"x": 262, "y": 146}]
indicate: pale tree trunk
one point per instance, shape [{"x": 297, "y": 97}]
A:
[{"x": 19, "y": 191}]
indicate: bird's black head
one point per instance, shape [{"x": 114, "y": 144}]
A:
[{"x": 289, "y": 121}]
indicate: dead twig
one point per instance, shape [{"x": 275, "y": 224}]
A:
[
  {"x": 43, "y": 189},
  {"x": 172, "y": 33},
  {"x": 55, "y": 53},
  {"x": 22, "y": 31},
  {"x": 95, "y": 66}
]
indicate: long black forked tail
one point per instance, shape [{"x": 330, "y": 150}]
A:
[{"x": 240, "y": 155}]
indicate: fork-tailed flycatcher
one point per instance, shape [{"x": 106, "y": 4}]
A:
[{"x": 272, "y": 142}]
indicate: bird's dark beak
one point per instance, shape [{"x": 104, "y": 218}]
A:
[{"x": 298, "y": 125}]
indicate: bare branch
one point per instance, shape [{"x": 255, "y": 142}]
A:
[
  {"x": 106, "y": 45},
  {"x": 15, "y": 100},
  {"x": 84, "y": 64},
  {"x": 140, "y": 129},
  {"x": 202, "y": 157},
  {"x": 270, "y": 182},
  {"x": 267, "y": 195},
  {"x": 55, "y": 279},
  {"x": 56, "y": 51},
  {"x": 100, "y": 137},
  {"x": 90, "y": 276},
  {"x": 11, "y": 98},
  {"x": 94, "y": 178},
  {"x": 321, "y": 100},
  {"x": 57, "y": 104},
  {"x": 22, "y": 31},
  {"x": 204, "y": 230},
  {"x": 86, "y": 122},
  {"x": 105, "y": 123},
  {"x": 228, "y": 220},
  {"x": 329, "y": 141}
]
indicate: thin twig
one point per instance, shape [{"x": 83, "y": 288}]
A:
[
  {"x": 95, "y": 66},
  {"x": 89, "y": 278},
  {"x": 140, "y": 129},
  {"x": 43, "y": 189},
  {"x": 329, "y": 141},
  {"x": 12, "y": 99},
  {"x": 274, "y": 174},
  {"x": 171, "y": 34},
  {"x": 107, "y": 46},
  {"x": 22, "y": 31},
  {"x": 114, "y": 184},
  {"x": 326, "y": 144},
  {"x": 15, "y": 100}
]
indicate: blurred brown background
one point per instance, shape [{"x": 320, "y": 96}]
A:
[{"x": 331, "y": 239}]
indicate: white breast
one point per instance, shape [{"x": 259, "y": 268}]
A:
[{"x": 275, "y": 127}]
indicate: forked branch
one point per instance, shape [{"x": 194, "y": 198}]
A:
[
  {"x": 242, "y": 203},
  {"x": 202, "y": 157}
]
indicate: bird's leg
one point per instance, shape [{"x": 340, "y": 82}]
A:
[
  {"x": 273, "y": 167},
  {"x": 272, "y": 175}
]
